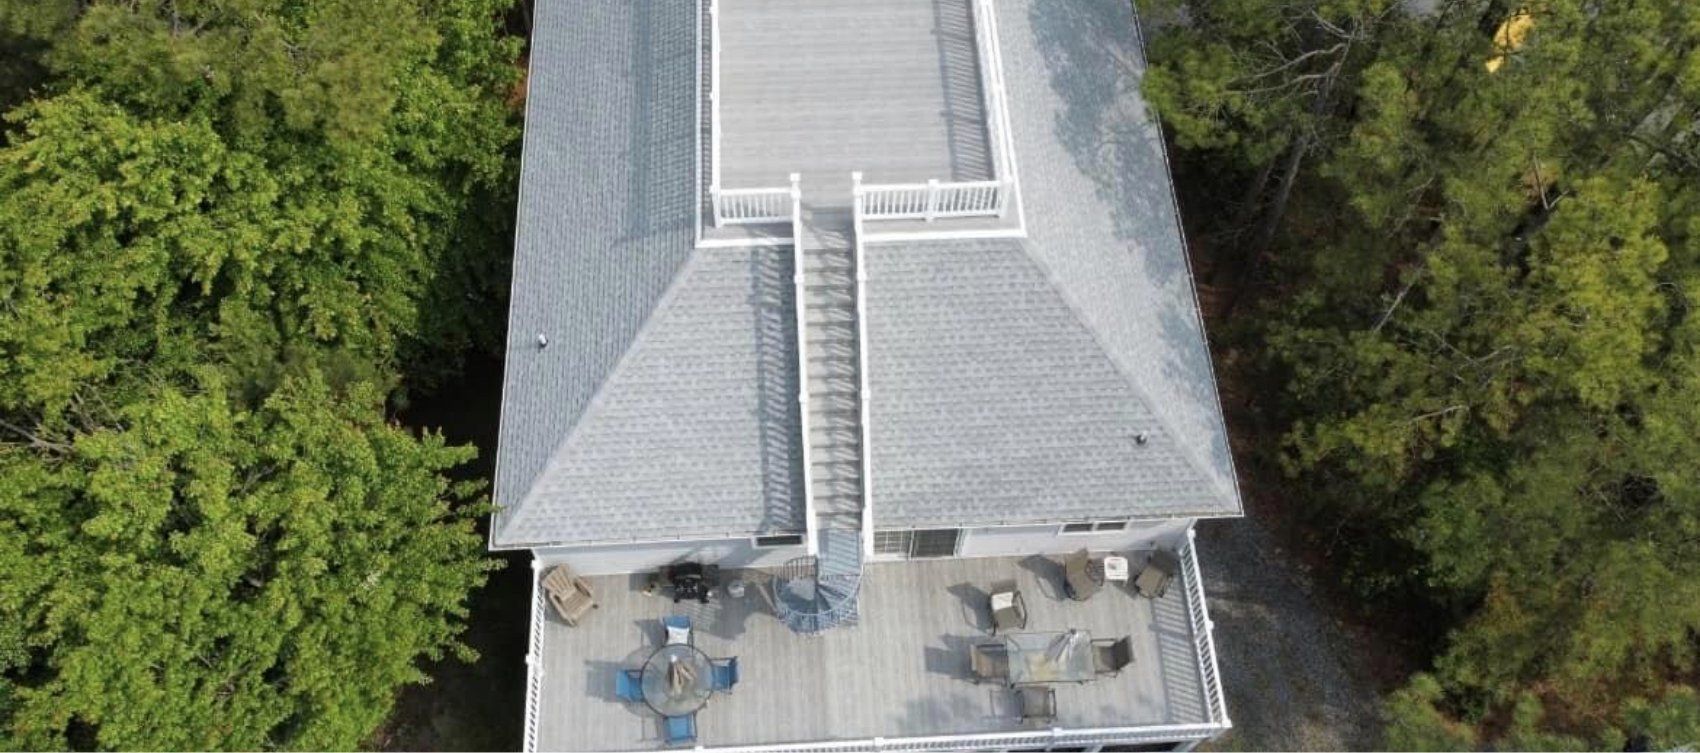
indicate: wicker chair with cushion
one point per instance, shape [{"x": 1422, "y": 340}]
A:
[
  {"x": 1009, "y": 610},
  {"x": 1081, "y": 576},
  {"x": 1110, "y": 656},
  {"x": 989, "y": 662},
  {"x": 570, "y": 594},
  {"x": 1038, "y": 705},
  {"x": 1160, "y": 569}
]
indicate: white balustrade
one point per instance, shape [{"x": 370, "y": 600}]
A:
[
  {"x": 534, "y": 659},
  {"x": 1202, "y": 630},
  {"x": 748, "y": 206}
]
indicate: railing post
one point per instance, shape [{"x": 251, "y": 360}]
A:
[
  {"x": 714, "y": 198},
  {"x": 932, "y": 199}
]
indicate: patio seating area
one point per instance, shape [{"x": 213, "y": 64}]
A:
[{"x": 912, "y": 666}]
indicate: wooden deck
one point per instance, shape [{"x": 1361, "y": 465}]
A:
[
  {"x": 902, "y": 671},
  {"x": 824, "y": 87}
]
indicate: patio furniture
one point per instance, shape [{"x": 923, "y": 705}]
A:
[
  {"x": 1050, "y": 657},
  {"x": 677, "y": 680},
  {"x": 1160, "y": 569},
  {"x": 725, "y": 673},
  {"x": 628, "y": 685},
  {"x": 678, "y": 630},
  {"x": 989, "y": 662},
  {"x": 1009, "y": 610},
  {"x": 570, "y": 594},
  {"x": 680, "y": 729},
  {"x": 691, "y": 580},
  {"x": 1081, "y": 577},
  {"x": 1038, "y": 705},
  {"x": 1109, "y": 656}
]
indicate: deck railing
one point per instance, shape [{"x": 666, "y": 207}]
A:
[
  {"x": 933, "y": 200},
  {"x": 534, "y": 658},
  {"x": 979, "y": 198},
  {"x": 1203, "y": 630},
  {"x": 863, "y": 393},
  {"x": 1028, "y": 739},
  {"x": 748, "y": 206},
  {"x": 800, "y": 312}
]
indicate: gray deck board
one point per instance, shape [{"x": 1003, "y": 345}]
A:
[
  {"x": 823, "y": 88},
  {"x": 902, "y": 671}
]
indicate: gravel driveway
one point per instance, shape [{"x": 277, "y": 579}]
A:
[{"x": 1294, "y": 676}]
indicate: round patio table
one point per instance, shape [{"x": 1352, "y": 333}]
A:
[{"x": 677, "y": 680}]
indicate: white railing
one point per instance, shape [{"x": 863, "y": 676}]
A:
[
  {"x": 992, "y": 89},
  {"x": 1203, "y": 630},
  {"x": 1047, "y": 738},
  {"x": 981, "y": 198},
  {"x": 863, "y": 393},
  {"x": 714, "y": 105},
  {"x": 534, "y": 658},
  {"x": 933, "y": 200},
  {"x": 800, "y": 307},
  {"x": 747, "y": 206}
]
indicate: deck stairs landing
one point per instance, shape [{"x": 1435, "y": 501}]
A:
[{"x": 820, "y": 592}]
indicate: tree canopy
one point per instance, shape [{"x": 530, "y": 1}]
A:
[
  {"x": 234, "y": 233},
  {"x": 1475, "y": 307}
]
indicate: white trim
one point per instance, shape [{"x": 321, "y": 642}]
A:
[
  {"x": 946, "y": 235},
  {"x": 799, "y": 305},
  {"x": 1045, "y": 738},
  {"x": 864, "y": 394},
  {"x": 744, "y": 242}
]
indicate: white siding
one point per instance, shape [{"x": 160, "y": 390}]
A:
[
  {"x": 1005, "y": 541},
  {"x": 615, "y": 559}
]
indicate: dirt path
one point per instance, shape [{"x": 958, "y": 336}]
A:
[{"x": 1296, "y": 677}]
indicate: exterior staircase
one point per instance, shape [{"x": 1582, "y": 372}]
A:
[{"x": 820, "y": 592}]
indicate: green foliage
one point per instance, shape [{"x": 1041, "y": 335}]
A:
[
  {"x": 267, "y": 576},
  {"x": 1481, "y": 319},
  {"x": 225, "y": 228}
]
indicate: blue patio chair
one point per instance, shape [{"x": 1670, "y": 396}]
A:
[
  {"x": 628, "y": 685},
  {"x": 681, "y": 729},
  {"x": 678, "y": 630},
  {"x": 725, "y": 673}
]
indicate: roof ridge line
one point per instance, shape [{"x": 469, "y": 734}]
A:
[
  {"x": 1184, "y": 448},
  {"x": 596, "y": 400}
]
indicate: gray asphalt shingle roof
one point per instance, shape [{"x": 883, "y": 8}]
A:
[
  {"x": 1008, "y": 377},
  {"x": 649, "y": 414}
]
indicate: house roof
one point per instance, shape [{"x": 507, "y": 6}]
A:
[
  {"x": 666, "y": 371},
  {"x": 1009, "y": 378}
]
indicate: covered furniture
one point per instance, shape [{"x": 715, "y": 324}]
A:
[
  {"x": 989, "y": 662},
  {"x": 725, "y": 673},
  {"x": 1115, "y": 569},
  {"x": 628, "y": 685},
  {"x": 677, "y": 680},
  {"x": 1110, "y": 656},
  {"x": 1081, "y": 576},
  {"x": 1009, "y": 610},
  {"x": 1050, "y": 657},
  {"x": 1038, "y": 705},
  {"x": 680, "y": 729},
  {"x": 678, "y": 629},
  {"x": 569, "y": 594},
  {"x": 691, "y": 580},
  {"x": 1160, "y": 569}
]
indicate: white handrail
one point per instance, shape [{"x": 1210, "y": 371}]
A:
[
  {"x": 1053, "y": 737},
  {"x": 714, "y": 107},
  {"x": 864, "y": 394},
  {"x": 1203, "y": 631},
  {"x": 996, "y": 99},
  {"x": 799, "y": 308},
  {"x": 534, "y": 659},
  {"x": 749, "y": 206}
]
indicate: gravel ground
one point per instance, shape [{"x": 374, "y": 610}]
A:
[{"x": 1295, "y": 675}]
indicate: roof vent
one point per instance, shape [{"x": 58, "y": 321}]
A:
[
  {"x": 542, "y": 340},
  {"x": 1141, "y": 438}
]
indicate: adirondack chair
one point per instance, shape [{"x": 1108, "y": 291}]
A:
[{"x": 570, "y": 594}]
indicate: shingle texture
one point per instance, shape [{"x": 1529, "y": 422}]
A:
[
  {"x": 1009, "y": 378},
  {"x": 649, "y": 414}
]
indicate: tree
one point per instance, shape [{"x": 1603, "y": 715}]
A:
[
  {"x": 1482, "y": 326},
  {"x": 194, "y": 575}
]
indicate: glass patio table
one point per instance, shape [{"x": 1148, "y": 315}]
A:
[
  {"x": 1050, "y": 657},
  {"x": 677, "y": 680}
]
